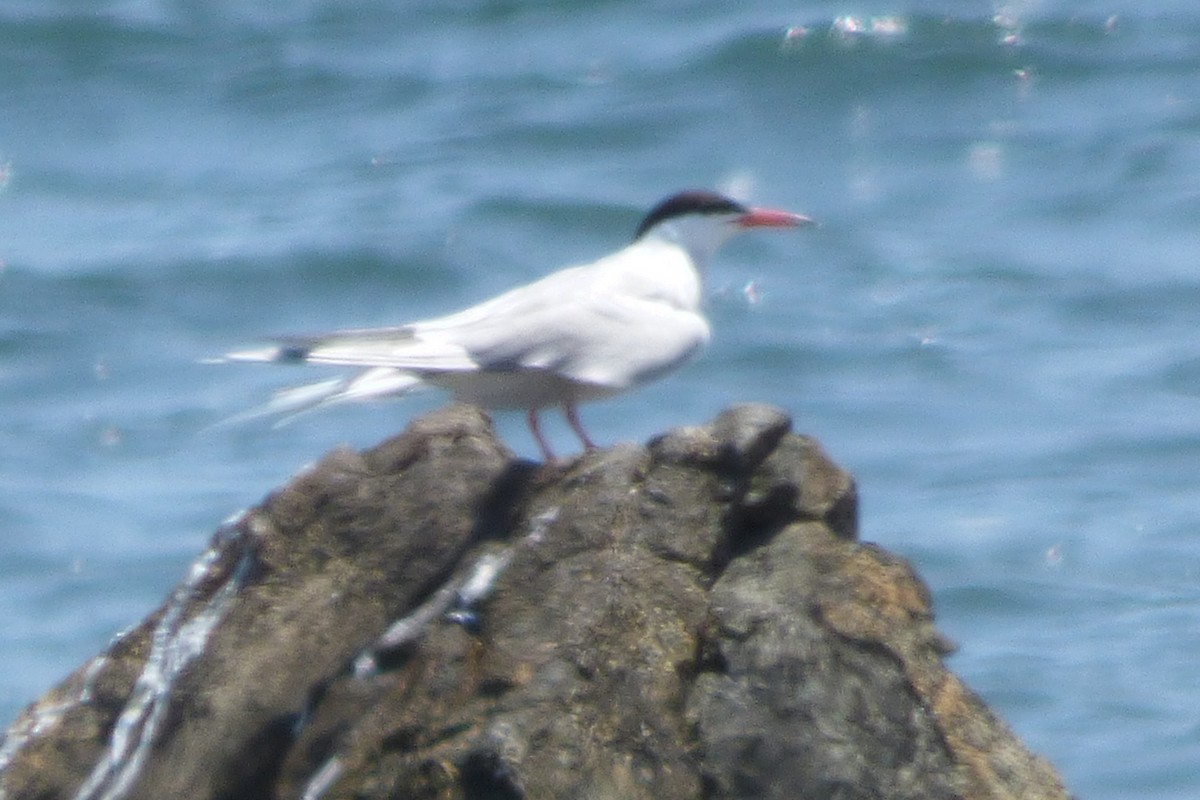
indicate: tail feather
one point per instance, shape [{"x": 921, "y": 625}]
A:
[{"x": 295, "y": 401}]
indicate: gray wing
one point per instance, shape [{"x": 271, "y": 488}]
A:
[
  {"x": 582, "y": 333},
  {"x": 571, "y": 323}
]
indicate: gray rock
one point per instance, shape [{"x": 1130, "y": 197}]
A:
[{"x": 434, "y": 619}]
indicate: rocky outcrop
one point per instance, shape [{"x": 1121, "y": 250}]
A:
[{"x": 434, "y": 619}]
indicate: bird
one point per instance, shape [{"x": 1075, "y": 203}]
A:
[{"x": 579, "y": 334}]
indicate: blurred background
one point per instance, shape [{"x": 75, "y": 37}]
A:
[{"x": 994, "y": 328}]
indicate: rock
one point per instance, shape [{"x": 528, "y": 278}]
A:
[{"x": 434, "y": 619}]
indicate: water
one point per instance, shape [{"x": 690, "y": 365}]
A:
[{"x": 994, "y": 328}]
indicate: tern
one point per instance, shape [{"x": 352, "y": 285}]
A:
[{"x": 582, "y": 333}]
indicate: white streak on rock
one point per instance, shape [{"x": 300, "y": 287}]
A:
[
  {"x": 176, "y": 641},
  {"x": 325, "y": 777}
]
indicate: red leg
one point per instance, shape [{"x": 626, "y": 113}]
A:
[
  {"x": 573, "y": 420},
  {"x": 535, "y": 429}
]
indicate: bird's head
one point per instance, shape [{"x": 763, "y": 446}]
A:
[{"x": 701, "y": 221}]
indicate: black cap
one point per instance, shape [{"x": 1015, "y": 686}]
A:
[{"x": 690, "y": 202}]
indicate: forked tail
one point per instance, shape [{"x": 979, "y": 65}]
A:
[{"x": 287, "y": 404}]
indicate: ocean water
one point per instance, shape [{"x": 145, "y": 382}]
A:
[{"x": 994, "y": 327}]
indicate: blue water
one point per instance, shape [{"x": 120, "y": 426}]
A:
[{"x": 994, "y": 328}]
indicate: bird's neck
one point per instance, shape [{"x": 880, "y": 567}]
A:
[
  {"x": 699, "y": 238},
  {"x": 662, "y": 269}
]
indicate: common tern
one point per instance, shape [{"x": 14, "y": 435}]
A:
[{"x": 582, "y": 333}]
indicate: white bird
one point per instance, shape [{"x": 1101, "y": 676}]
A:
[{"x": 582, "y": 333}]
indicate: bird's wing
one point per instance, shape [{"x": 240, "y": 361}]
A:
[
  {"x": 397, "y": 347},
  {"x": 577, "y": 328},
  {"x": 442, "y": 344},
  {"x": 579, "y": 323}
]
